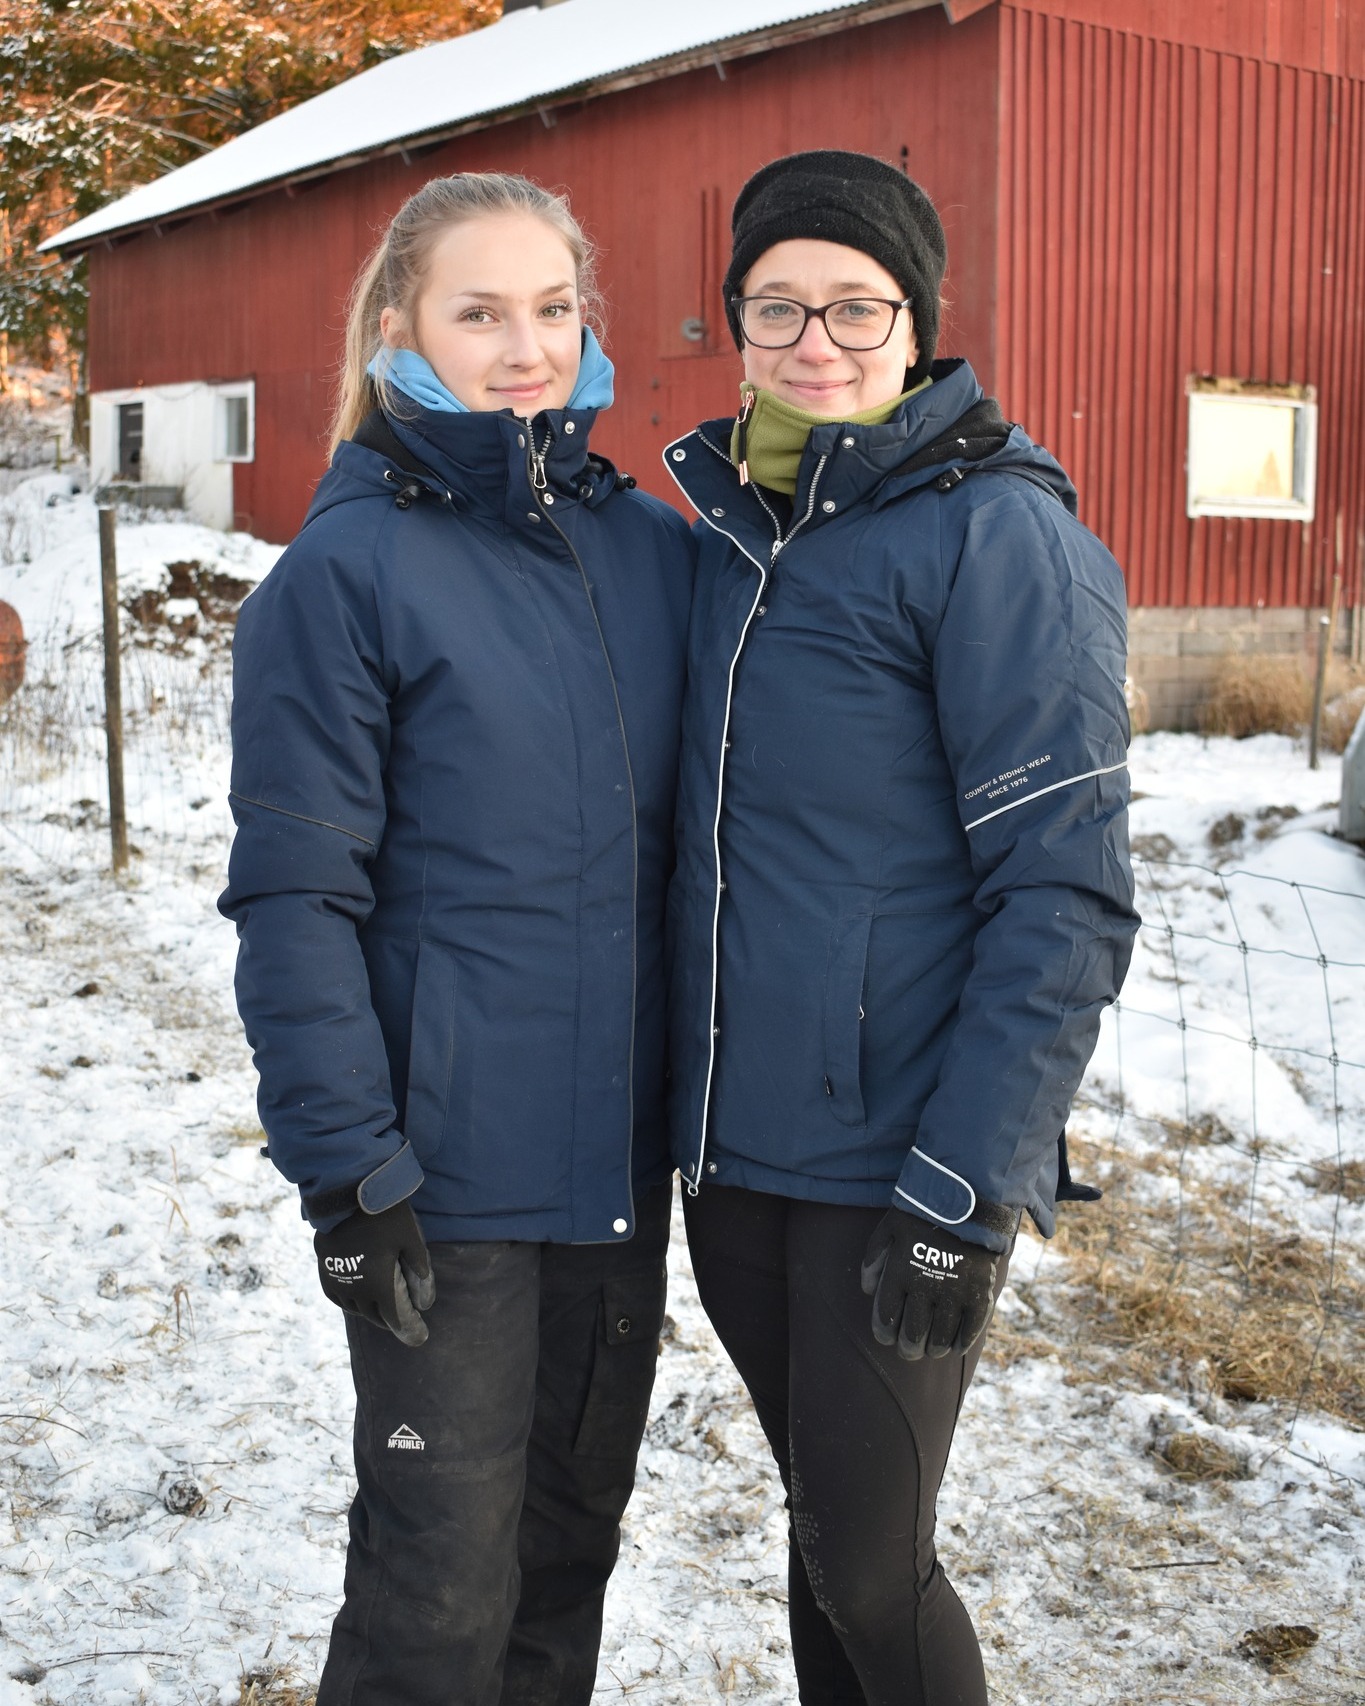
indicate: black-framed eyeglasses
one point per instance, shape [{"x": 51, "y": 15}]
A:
[{"x": 854, "y": 322}]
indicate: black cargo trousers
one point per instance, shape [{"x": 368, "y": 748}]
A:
[{"x": 493, "y": 1464}]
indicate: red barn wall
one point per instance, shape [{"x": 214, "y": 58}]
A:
[
  {"x": 1169, "y": 209},
  {"x": 1313, "y": 35},
  {"x": 258, "y": 292}
]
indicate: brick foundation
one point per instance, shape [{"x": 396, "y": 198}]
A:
[{"x": 1173, "y": 655}]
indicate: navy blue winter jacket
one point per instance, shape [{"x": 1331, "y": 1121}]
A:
[
  {"x": 903, "y": 892},
  {"x": 455, "y": 737}
]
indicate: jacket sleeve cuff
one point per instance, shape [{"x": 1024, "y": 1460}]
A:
[
  {"x": 393, "y": 1181},
  {"x": 929, "y": 1188}
]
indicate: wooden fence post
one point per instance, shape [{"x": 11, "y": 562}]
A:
[{"x": 113, "y": 689}]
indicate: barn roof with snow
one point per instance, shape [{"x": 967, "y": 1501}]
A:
[{"x": 531, "y": 59}]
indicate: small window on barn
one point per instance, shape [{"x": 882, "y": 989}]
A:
[
  {"x": 130, "y": 441},
  {"x": 1253, "y": 449},
  {"x": 236, "y": 424}
]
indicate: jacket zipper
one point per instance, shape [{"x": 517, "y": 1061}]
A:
[
  {"x": 779, "y": 543},
  {"x": 535, "y": 463},
  {"x": 536, "y": 469}
]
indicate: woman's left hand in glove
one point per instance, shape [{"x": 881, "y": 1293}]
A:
[{"x": 934, "y": 1292}]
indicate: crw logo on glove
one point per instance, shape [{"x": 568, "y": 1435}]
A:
[
  {"x": 903, "y": 1273},
  {"x": 936, "y": 1258},
  {"x": 343, "y": 1267}
]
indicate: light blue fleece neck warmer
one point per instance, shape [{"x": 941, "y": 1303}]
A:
[{"x": 413, "y": 375}]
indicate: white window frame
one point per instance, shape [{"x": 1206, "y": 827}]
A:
[
  {"x": 1207, "y": 394},
  {"x": 222, "y": 395}
]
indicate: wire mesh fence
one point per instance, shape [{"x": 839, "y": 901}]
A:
[
  {"x": 53, "y": 781},
  {"x": 1224, "y": 1108}
]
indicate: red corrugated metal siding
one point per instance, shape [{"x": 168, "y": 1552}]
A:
[
  {"x": 652, "y": 173},
  {"x": 1168, "y": 210}
]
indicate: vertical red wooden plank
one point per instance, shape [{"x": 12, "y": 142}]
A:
[
  {"x": 1322, "y": 187},
  {"x": 1333, "y": 386},
  {"x": 1141, "y": 266},
  {"x": 1078, "y": 264},
  {"x": 1006, "y": 216},
  {"x": 1259, "y": 544},
  {"x": 1107, "y": 259},
  {"x": 1037, "y": 205},
  {"x": 1350, "y": 546},
  {"x": 1182, "y": 189}
]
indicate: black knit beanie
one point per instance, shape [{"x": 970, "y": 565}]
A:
[{"x": 854, "y": 199}]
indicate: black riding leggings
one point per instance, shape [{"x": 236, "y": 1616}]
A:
[{"x": 861, "y": 1438}]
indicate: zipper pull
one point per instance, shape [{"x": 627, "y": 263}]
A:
[
  {"x": 537, "y": 457},
  {"x": 746, "y": 408}
]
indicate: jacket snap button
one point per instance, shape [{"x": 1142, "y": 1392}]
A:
[
  {"x": 568, "y": 426},
  {"x": 715, "y": 1030},
  {"x": 717, "y": 512},
  {"x": 521, "y": 441},
  {"x": 680, "y": 456},
  {"x": 762, "y": 610},
  {"x": 618, "y": 1225},
  {"x": 722, "y": 882},
  {"x": 623, "y": 1325},
  {"x": 728, "y": 745},
  {"x": 828, "y": 506},
  {"x": 531, "y": 515},
  {"x": 710, "y": 1166},
  {"x": 549, "y": 497},
  {"x": 848, "y": 443}
]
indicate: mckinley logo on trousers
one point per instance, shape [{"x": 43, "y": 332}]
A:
[{"x": 404, "y": 1439}]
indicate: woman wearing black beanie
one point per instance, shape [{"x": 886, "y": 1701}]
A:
[{"x": 903, "y": 894}]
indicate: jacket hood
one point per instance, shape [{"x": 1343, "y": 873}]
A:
[{"x": 951, "y": 428}]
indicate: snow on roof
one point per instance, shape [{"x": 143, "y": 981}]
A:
[{"x": 528, "y": 56}]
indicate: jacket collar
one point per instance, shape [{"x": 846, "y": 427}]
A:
[
  {"x": 846, "y": 466},
  {"x": 489, "y": 461}
]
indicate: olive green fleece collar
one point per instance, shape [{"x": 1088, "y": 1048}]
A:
[{"x": 775, "y": 434}]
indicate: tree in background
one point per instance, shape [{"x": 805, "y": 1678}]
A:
[{"x": 98, "y": 96}]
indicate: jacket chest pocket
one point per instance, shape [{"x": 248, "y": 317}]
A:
[{"x": 845, "y": 982}]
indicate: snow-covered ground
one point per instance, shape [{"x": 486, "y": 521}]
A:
[{"x": 174, "y": 1452}]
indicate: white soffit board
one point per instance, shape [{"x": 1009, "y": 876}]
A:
[{"x": 529, "y": 56}]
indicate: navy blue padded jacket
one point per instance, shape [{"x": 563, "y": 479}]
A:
[
  {"x": 903, "y": 893},
  {"x": 455, "y": 735}
]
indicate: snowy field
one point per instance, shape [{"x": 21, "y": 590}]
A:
[{"x": 174, "y": 1454}]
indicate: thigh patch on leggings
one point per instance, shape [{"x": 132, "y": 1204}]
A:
[{"x": 630, "y": 1321}]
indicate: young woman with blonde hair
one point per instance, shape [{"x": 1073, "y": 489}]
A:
[{"x": 455, "y": 739}]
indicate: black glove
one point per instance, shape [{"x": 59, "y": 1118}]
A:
[
  {"x": 934, "y": 1292},
  {"x": 377, "y": 1266}
]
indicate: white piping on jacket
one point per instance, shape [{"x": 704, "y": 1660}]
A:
[
  {"x": 933, "y": 1213},
  {"x": 694, "y": 1182},
  {"x": 779, "y": 545},
  {"x": 1039, "y": 792}
]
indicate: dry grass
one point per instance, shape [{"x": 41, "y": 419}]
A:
[
  {"x": 1346, "y": 1179},
  {"x": 1254, "y": 695},
  {"x": 274, "y": 1685},
  {"x": 1272, "y": 1319},
  {"x": 1275, "y": 1643},
  {"x": 1197, "y": 1457}
]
